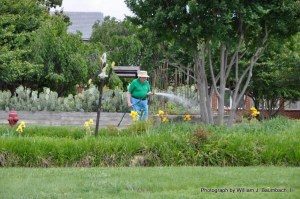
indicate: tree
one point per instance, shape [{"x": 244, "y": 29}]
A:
[
  {"x": 232, "y": 34},
  {"x": 61, "y": 57},
  {"x": 119, "y": 39},
  {"x": 276, "y": 78},
  {"x": 18, "y": 22},
  {"x": 51, "y": 3},
  {"x": 16, "y": 29}
]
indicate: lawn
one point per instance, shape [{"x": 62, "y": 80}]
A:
[{"x": 149, "y": 182}]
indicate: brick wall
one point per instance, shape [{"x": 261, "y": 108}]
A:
[{"x": 293, "y": 114}]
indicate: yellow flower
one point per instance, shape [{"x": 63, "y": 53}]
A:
[
  {"x": 21, "y": 127},
  {"x": 161, "y": 113},
  {"x": 91, "y": 122},
  {"x": 163, "y": 116},
  {"x": 19, "y": 130},
  {"x": 254, "y": 112},
  {"x": 23, "y": 124},
  {"x": 134, "y": 115},
  {"x": 90, "y": 81},
  {"x": 187, "y": 117},
  {"x": 86, "y": 124},
  {"x": 165, "y": 119}
]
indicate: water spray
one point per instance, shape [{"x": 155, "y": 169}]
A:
[{"x": 187, "y": 103}]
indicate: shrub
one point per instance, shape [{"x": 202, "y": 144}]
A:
[{"x": 25, "y": 99}]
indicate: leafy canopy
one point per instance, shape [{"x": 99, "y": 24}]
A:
[
  {"x": 18, "y": 21},
  {"x": 120, "y": 41},
  {"x": 192, "y": 21}
]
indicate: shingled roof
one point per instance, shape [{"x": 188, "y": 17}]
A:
[{"x": 83, "y": 22}]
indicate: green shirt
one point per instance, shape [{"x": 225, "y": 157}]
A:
[{"x": 139, "y": 89}]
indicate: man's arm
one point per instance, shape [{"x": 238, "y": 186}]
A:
[{"x": 149, "y": 90}]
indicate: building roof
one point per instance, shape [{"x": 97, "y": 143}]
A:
[{"x": 83, "y": 22}]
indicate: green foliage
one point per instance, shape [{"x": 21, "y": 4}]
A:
[
  {"x": 240, "y": 30},
  {"x": 115, "y": 82},
  {"x": 276, "y": 76},
  {"x": 189, "y": 22},
  {"x": 51, "y": 3},
  {"x": 270, "y": 143},
  {"x": 4, "y": 99},
  {"x": 30, "y": 100},
  {"x": 127, "y": 44},
  {"x": 16, "y": 32},
  {"x": 135, "y": 129},
  {"x": 114, "y": 100},
  {"x": 26, "y": 99},
  {"x": 119, "y": 40},
  {"x": 138, "y": 128},
  {"x": 61, "y": 56},
  {"x": 46, "y": 131},
  {"x": 36, "y": 50}
]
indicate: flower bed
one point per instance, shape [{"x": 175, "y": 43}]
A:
[{"x": 275, "y": 142}]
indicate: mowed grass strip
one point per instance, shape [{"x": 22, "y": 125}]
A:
[{"x": 150, "y": 182}]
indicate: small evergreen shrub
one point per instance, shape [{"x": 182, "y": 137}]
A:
[{"x": 25, "y": 99}]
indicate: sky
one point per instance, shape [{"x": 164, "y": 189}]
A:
[{"x": 114, "y": 8}]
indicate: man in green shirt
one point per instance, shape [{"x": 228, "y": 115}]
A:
[{"x": 137, "y": 96}]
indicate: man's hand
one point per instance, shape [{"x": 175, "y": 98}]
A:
[
  {"x": 129, "y": 104},
  {"x": 150, "y": 93}
]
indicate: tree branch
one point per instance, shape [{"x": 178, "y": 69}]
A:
[
  {"x": 253, "y": 61},
  {"x": 214, "y": 82},
  {"x": 183, "y": 69},
  {"x": 235, "y": 57}
]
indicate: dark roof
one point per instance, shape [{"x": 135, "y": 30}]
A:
[
  {"x": 126, "y": 71},
  {"x": 83, "y": 22}
]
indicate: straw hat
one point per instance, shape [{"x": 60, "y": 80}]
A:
[{"x": 142, "y": 73}]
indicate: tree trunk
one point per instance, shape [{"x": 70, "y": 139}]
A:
[
  {"x": 238, "y": 95},
  {"x": 100, "y": 88},
  {"x": 202, "y": 85},
  {"x": 222, "y": 86}
]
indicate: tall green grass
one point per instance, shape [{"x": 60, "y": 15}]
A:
[{"x": 274, "y": 142}]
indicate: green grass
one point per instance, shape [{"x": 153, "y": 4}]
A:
[
  {"x": 72, "y": 132},
  {"x": 145, "y": 182},
  {"x": 274, "y": 142}
]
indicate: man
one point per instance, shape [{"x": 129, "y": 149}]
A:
[{"x": 137, "y": 95}]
